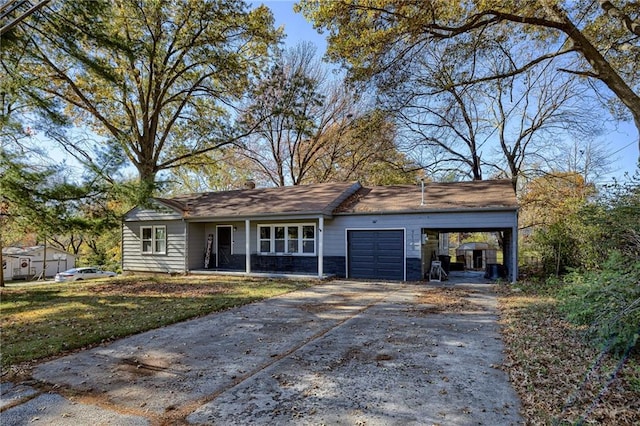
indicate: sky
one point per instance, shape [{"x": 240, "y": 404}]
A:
[
  {"x": 621, "y": 142},
  {"x": 295, "y": 26}
]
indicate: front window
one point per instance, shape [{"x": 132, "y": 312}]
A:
[
  {"x": 287, "y": 239},
  {"x": 147, "y": 240},
  {"x": 153, "y": 239},
  {"x": 309, "y": 239},
  {"x": 264, "y": 239},
  {"x": 159, "y": 239},
  {"x": 279, "y": 239},
  {"x": 292, "y": 239}
]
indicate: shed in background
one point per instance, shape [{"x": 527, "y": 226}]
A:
[
  {"x": 20, "y": 263},
  {"x": 476, "y": 255}
]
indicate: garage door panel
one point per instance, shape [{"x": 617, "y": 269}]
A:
[
  {"x": 364, "y": 274},
  {"x": 389, "y": 257},
  {"x": 375, "y": 254}
]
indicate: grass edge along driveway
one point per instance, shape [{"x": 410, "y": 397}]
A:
[{"x": 44, "y": 320}]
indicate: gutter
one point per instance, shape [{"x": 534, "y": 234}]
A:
[
  {"x": 422, "y": 211},
  {"x": 253, "y": 218}
]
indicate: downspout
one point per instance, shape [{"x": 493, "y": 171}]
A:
[{"x": 44, "y": 261}]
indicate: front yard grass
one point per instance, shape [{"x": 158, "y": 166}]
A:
[
  {"x": 560, "y": 379},
  {"x": 43, "y": 320}
]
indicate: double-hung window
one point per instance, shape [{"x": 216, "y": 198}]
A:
[
  {"x": 153, "y": 239},
  {"x": 287, "y": 239}
]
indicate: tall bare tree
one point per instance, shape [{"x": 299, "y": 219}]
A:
[
  {"x": 491, "y": 128},
  {"x": 364, "y": 150},
  {"x": 306, "y": 124}
]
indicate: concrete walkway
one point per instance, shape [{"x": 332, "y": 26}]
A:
[{"x": 340, "y": 352}]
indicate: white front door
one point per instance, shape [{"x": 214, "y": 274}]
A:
[{"x": 23, "y": 266}]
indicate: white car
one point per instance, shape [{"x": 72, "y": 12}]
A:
[{"x": 77, "y": 274}]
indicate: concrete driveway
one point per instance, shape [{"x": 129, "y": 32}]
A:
[{"x": 341, "y": 352}]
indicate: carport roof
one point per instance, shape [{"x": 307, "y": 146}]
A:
[{"x": 475, "y": 195}]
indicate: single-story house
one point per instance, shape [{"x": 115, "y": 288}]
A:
[
  {"x": 28, "y": 262},
  {"x": 328, "y": 229}
]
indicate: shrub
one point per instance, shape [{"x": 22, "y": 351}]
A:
[{"x": 607, "y": 300}]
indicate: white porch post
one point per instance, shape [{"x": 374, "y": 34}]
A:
[
  {"x": 320, "y": 246},
  {"x": 247, "y": 245}
]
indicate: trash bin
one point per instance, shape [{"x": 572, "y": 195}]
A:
[
  {"x": 446, "y": 262},
  {"x": 495, "y": 271}
]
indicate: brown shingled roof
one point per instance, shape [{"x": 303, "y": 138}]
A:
[
  {"x": 330, "y": 198},
  {"x": 437, "y": 196},
  {"x": 321, "y": 198}
]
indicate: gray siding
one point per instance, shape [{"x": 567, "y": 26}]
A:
[
  {"x": 155, "y": 211},
  {"x": 172, "y": 261},
  {"x": 197, "y": 237},
  {"x": 335, "y": 229},
  {"x": 180, "y": 258}
]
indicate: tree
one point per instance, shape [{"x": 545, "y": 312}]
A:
[
  {"x": 438, "y": 115},
  {"x": 550, "y": 206},
  {"x": 529, "y": 115},
  {"x": 289, "y": 110},
  {"x": 38, "y": 199},
  {"x": 221, "y": 170},
  {"x": 310, "y": 128},
  {"x": 365, "y": 151},
  {"x": 498, "y": 128},
  {"x": 156, "y": 80},
  {"x": 596, "y": 40},
  {"x": 604, "y": 295}
]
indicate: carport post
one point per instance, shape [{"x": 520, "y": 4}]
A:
[
  {"x": 320, "y": 246},
  {"x": 247, "y": 245}
]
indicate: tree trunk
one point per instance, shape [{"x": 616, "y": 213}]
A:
[{"x": 147, "y": 184}]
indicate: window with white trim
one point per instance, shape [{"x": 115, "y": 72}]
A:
[
  {"x": 153, "y": 239},
  {"x": 287, "y": 239}
]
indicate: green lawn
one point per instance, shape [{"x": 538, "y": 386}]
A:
[{"x": 41, "y": 320}]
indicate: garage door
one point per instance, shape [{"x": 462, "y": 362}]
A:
[{"x": 376, "y": 254}]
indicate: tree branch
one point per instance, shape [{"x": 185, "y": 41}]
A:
[
  {"x": 614, "y": 12},
  {"x": 580, "y": 73}
]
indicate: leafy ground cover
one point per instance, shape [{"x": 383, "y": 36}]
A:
[
  {"x": 38, "y": 321},
  {"x": 560, "y": 378}
]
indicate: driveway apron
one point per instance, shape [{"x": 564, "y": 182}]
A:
[{"x": 340, "y": 352}]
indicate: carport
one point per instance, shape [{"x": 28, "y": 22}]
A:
[
  {"x": 441, "y": 247},
  {"x": 386, "y": 230}
]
